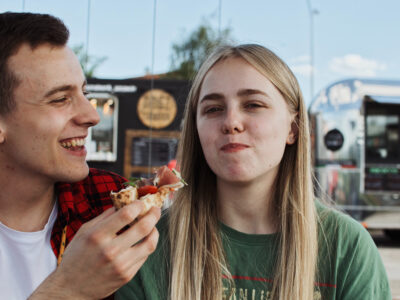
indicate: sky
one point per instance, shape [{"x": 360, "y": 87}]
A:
[{"x": 352, "y": 38}]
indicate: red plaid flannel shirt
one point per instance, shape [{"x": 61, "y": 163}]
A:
[{"x": 82, "y": 201}]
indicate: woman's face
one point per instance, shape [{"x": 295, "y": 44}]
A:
[{"x": 243, "y": 123}]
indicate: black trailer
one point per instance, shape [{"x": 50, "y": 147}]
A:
[{"x": 140, "y": 124}]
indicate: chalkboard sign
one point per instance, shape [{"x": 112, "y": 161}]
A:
[
  {"x": 140, "y": 144},
  {"x": 162, "y": 150}
]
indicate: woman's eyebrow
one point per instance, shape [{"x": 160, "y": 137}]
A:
[
  {"x": 212, "y": 96},
  {"x": 248, "y": 92}
]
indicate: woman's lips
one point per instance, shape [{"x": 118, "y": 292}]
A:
[{"x": 233, "y": 147}]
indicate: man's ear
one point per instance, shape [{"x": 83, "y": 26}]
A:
[{"x": 294, "y": 131}]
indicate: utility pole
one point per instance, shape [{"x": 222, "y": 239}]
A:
[
  {"x": 312, "y": 12},
  {"x": 87, "y": 37}
]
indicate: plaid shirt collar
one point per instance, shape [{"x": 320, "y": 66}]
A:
[{"x": 82, "y": 201}]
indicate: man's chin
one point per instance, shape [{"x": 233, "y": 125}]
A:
[{"x": 75, "y": 174}]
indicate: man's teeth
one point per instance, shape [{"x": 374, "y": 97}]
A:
[{"x": 73, "y": 143}]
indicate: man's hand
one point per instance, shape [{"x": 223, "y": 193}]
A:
[{"x": 98, "y": 261}]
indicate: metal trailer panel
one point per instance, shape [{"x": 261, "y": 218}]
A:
[{"x": 341, "y": 172}]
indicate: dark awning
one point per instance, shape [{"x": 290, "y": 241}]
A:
[{"x": 383, "y": 99}]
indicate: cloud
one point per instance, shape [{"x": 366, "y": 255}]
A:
[
  {"x": 300, "y": 59},
  {"x": 356, "y": 65},
  {"x": 301, "y": 65},
  {"x": 301, "y": 69}
]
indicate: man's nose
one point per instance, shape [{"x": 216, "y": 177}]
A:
[{"x": 86, "y": 114}]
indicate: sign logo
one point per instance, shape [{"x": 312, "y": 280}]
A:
[
  {"x": 334, "y": 140},
  {"x": 156, "y": 109}
]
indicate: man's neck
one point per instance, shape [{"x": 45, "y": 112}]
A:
[{"x": 25, "y": 202}]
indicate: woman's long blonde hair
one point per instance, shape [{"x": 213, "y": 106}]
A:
[{"x": 197, "y": 255}]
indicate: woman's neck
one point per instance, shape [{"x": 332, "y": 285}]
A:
[{"x": 247, "y": 207}]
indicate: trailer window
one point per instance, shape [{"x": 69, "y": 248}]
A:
[
  {"x": 102, "y": 139},
  {"x": 382, "y": 135}
]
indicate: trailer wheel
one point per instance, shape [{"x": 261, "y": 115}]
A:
[{"x": 393, "y": 234}]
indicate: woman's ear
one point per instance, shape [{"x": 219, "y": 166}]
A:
[
  {"x": 294, "y": 131},
  {"x": 2, "y": 132}
]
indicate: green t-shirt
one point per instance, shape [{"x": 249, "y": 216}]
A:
[{"x": 349, "y": 265}]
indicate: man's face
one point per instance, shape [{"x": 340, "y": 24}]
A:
[{"x": 45, "y": 134}]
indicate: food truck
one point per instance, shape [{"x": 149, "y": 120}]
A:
[
  {"x": 355, "y": 126},
  {"x": 139, "y": 126}
]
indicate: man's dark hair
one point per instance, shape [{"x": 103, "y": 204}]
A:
[{"x": 17, "y": 29}]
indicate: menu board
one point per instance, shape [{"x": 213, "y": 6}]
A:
[
  {"x": 146, "y": 150},
  {"x": 382, "y": 178},
  {"x": 154, "y": 151}
]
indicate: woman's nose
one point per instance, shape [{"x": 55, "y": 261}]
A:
[{"x": 232, "y": 122}]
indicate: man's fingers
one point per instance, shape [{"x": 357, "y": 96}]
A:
[
  {"x": 124, "y": 265},
  {"x": 101, "y": 217},
  {"x": 138, "y": 253},
  {"x": 124, "y": 216},
  {"x": 139, "y": 230}
]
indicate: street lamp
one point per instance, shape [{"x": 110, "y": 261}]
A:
[
  {"x": 87, "y": 36},
  {"x": 312, "y": 12},
  {"x": 219, "y": 18}
]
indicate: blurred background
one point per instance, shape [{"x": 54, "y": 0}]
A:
[
  {"x": 326, "y": 40},
  {"x": 139, "y": 58}
]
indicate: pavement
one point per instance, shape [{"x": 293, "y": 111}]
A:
[
  {"x": 390, "y": 253},
  {"x": 391, "y": 261}
]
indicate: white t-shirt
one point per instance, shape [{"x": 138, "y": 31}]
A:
[{"x": 26, "y": 259}]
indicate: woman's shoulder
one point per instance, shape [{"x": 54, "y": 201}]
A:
[
  {"x": 337, "y": 227},
  {"x": 348, "y": 256},
  {"x": 162, "y": 225}
]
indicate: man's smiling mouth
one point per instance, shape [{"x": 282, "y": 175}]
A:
[{"x": 73, "y": 143}]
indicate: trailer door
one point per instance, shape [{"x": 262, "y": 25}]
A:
[{"x": 382, "y": 145}]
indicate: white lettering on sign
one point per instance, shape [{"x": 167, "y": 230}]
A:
[
  {"x": 99, "y": 87},
  {"x": 125, "y": 88},
  {"x": 118, "y": 88}
]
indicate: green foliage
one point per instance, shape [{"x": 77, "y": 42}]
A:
[
  {"x": 89, "y": 63},
  {"x": 190, "y": 53}
]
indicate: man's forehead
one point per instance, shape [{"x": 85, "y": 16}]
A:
[
  {"x": 46, "y": 66},
  {"x": 27, "y": 57}
]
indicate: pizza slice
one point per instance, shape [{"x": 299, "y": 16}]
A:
[{"x": 152, "y": 192}]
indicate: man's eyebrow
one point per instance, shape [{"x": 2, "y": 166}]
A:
[
  {"x": 249, "y": 92},
  {"x": 212, "y": 96},
  {"x": 57, "y": 89},
  {"x": 62, "y": 88}
]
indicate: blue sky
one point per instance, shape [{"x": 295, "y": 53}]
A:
[{"x": 352, "y": 38}]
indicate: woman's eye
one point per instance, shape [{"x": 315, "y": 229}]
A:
[
  {"x": 213, "y": 109},
  {"x": 253, "y": 105}
]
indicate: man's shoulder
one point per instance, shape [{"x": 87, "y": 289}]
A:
[{"x": 94, "y": 189}]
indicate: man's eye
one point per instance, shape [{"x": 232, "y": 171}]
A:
[{"x": 59, "y": 100}]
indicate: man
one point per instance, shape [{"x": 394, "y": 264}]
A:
[{"x": 47, "y": 192}]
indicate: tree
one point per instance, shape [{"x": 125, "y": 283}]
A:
[
  {"x": 189, "y": 54},
  {"x": 89, "y": 63}
]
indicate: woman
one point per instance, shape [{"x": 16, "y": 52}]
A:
[{"x": 247, "y": 225}]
